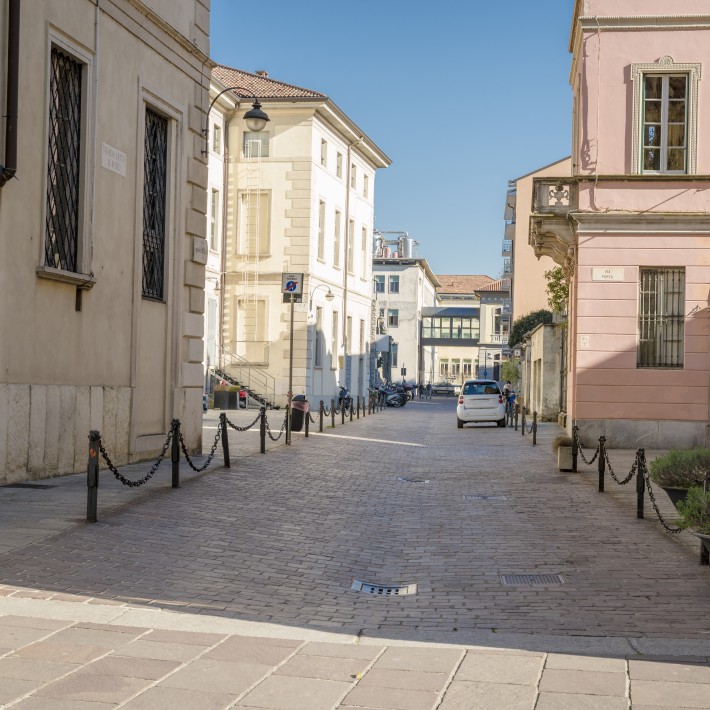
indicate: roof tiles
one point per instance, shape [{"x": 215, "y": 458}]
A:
[
  {"x": 467, "y": 283},
  {"x": 261, "y": 86}
]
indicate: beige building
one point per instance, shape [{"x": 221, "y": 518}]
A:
[
  {"x": 522, "y": 266},
  {"x": 101, "y": 260},
  {"x": 299, "y": 199}
]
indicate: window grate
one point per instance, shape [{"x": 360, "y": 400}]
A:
[
  {"x": 63, "y": 169},
  {"x": 154, "y": 189},
  {"x": 661, "y": 318}
]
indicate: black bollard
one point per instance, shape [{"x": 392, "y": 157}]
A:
[
  {"x": 522, "y": 421},
  {"x": 225, "y": 439},
  {"x": 640, "y": 482},
  {"x": 517, "y": 414},
  {"x": 351, "y": 408},
  {"x": 92, "y": 477},
  {"x": 342, "y": 411},
  {"x": 358, "y": 406},
  {"x": 175, "y": 453},
  {"x": 332, "y": 413},
  {"x": 320, "y": 416},
  {"x": 704, "y": 552},
  {"x": 601, "y": 465},
  {"x": 575, "y": 449},
  {"x": 534, "y": 431},
  {"x": 262, "y": 430}
]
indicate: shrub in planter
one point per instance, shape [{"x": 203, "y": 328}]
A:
[
  {"x": 681, "y": 468},
  {"x": 695, "y": 511}
]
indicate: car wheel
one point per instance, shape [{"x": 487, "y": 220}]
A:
[
  {"x": 501, "y": 422},
  {"x": 460, "y": 423}
]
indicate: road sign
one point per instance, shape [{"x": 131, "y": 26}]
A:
[
  {"x": 485, "y": 373},
  {"x": 292, "y": 284}
]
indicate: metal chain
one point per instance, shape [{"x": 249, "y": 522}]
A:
[
  {"x": 647, "y": 478},
  {"x": 209, "y": 458},
  {"x": 149, "y": 475},
  {"x": 326, "y": 411},
  {"x": 243, "y": 428},
  {"x": 310, "y": 416},
  {"x": 268, "y": 429},
  {"x": 581, "y": 452},
  {"x": 632, "y": 473}
]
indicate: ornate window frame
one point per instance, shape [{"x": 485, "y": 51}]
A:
[{"x": 665, "y": 65}]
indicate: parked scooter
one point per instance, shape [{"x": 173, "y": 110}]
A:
[
  {"x": 395, "y": 397},
  {"x": 344, "y": 399}
]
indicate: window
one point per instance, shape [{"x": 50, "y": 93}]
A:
[
  {"x": 214, "y": 220},
  {"x": 363, "y": 253},
  {"x": 393, "y": 317},
  {"x": 62, "y": 227},
  {"x": 450, "y": 328},
  {"x": 394, "y": 284},
  {"x": 394, "y": 347},
  {"x": 155, "y": 160},
  {"x": 444, "y": 369},
  {"x": 318, "y": 340},
  {"x": 365, "y": 186},
  {"x": 256, "y": 145},
  {"x": 339, "y": 165},
  {"x": 217, "y": 138},
  {"x": 661, "y": 317},
  {"x": 321, "y": 229},
  {"x": 336, "y": 239},
  {"x": 379, "y": 283},
  {"x": 467, "y": 369},
  {"x": 334, "y": 342},
  {"x": 351, "y": 237},
  {"x": 323, "y": 152},
  {"x": 353, "y": 176},
  {"x": 665, "y": 117},
  {"x": 254, "y": 223}
]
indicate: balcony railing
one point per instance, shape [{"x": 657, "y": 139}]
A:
[
  {"x": 507, "y": 247},
  {"x": 554, "y": 196},
  {"x": 507, "y": 266}
]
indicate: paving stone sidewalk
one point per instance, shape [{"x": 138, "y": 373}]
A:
[{"x": 262, "y": 557}]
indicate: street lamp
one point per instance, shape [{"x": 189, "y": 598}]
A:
[
  {"x": 255, "y": 118},
  {"x": 328, "y": 296}
]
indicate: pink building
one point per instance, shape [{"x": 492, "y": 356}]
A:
[{"x": 632, "y": 226}]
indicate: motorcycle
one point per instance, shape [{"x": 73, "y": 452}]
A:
[
  {"x": 344, "y": 399},
  {"x": 395, "y": 397}
]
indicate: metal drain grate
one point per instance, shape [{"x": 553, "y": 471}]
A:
[
  {"x": 384, "y": 590},
  {"x": 496, "y": 497},
  {"x": 404, "y": 479},
  {"x": 38, "y": 486},
  {"x": 534, "y": 579}
]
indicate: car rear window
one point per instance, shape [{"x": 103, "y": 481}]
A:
[{"x": 480, "y": 388}]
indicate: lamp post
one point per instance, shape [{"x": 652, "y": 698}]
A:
[
  {"x": 328, "y": 296},
  {"x": 255, "y": 118}
]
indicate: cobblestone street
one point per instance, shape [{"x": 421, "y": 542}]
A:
[{"x": 392, "y": 499}]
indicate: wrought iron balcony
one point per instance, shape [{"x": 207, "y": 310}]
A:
[
  {"x": 556, "y": 196},
  {"x": 507, "y": 266},
  {"x": 507, "y": 247}
]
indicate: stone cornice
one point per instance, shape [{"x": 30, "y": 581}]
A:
[{"x": 647, "y": 222}]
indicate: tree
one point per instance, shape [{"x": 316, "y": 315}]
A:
[
  {"x": 510, "y": 370},
  {"x": 557, "y": 289},
  {"x": 526, "y": 323}
]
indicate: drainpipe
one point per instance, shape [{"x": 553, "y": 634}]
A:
[{"x": 7, "y": 171}]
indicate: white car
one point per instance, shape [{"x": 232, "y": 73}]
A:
[{"x": 480, "y": 401}]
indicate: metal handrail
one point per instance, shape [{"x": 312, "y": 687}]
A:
[{"x": 252, "y": 377}]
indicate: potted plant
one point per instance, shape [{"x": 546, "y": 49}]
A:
[
  {"x": 562, "y": 446},
  {"x": 679, "y": 470},
  {"x": 695, "y": 513}
]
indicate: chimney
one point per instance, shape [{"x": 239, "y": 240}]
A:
[{"x": 261, "y": 72}]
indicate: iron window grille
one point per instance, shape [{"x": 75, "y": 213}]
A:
[
  {"x": 661, "y": 318},
  {"x": 63, "y": 165},
  {"x": 154, "y": 191}
]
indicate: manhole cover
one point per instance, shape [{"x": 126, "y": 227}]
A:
[
  {"x": 534, "y": 579},
  {"x": 38, "y": 486},
  {"x": 485, "y": 497},
  {"x": 405, "y": 479},
  {"x": 384, "y": 590}
]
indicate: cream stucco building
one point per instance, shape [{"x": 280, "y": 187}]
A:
[
  {"x": 101, "y": 260},
  {"x": 299, "y": 199}
]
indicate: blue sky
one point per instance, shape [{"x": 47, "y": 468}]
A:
[{"x": 462, "y": 96}]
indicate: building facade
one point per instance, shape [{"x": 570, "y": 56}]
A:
[
  {"x": 102, "y": 270},
  {"x": 299, "y": 199},
  {"x": 631, "y": 226},
  {"x": 404, "y": 286}
]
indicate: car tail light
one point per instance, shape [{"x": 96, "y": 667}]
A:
[
  {"x": 500, "y": 399},
  {"x": 461, "y": 399}
]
